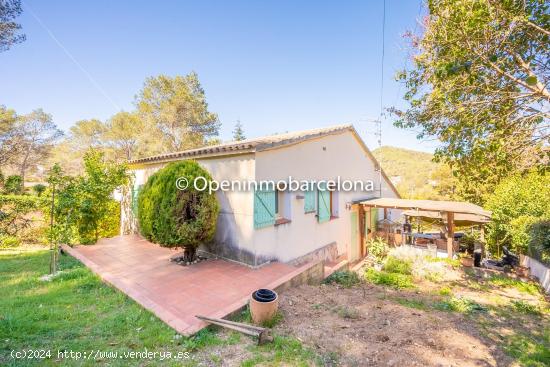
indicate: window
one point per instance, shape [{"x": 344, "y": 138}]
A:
[
  {"x": 271, "y": 207},
  {"x": 323, "y": 204},
  {"x": 309, "y": 201},
  {"x": 327, "y": 204},
  {"x": 264, "y": 208},
  {"x": 282, "y": 207}
]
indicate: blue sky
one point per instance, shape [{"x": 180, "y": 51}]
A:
[{"x": 275, "y": 65}]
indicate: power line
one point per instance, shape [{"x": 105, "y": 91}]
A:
[
  {"x": 72, "y": 58},
  {"x": 378, "y": 122},
  {"x": 382, "y": 59}
]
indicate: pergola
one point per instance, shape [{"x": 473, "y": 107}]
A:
[{"x": 450, "y": 213}]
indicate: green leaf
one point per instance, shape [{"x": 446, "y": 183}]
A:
[{"x": 531, "y": 80}]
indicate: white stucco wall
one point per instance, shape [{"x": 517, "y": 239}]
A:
[
  {"x": 320, "y": 159},
  {"x": 235, "y": 222},
  {"x": 324, "y": 158}
]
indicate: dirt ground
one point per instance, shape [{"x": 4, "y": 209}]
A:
[
  {"x": 366, "y": 328},
  {"x": 372, "y": 325}
]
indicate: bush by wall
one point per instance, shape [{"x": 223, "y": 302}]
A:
[{"x": 177, "y": 218}]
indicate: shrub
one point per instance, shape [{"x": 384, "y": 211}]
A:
[
  {"x": 518, "y": 284},
  {"x": 345, "y": 278},
  {"x": 177, "y": 218},
  {"x": 16, "y": 216},
  {"x": 394, "y": 280},
  {"x": 459, "y": 304},
  {"x": 378, "y": 249},
  {"x": 347, "y": 312},
  {"x": 39, "y": 189},
  {"x": 525, "y": 307},
  {"x": 394, "y": 265},
  {"x": 7, "y": 241},
  {"x": 469, "y": 240},
  {"x": 13, "y": 185}
]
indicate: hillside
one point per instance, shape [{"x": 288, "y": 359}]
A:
[{"x": 413, "y": 173}]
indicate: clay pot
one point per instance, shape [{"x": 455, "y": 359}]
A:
[
  {"x": 522, "y": 271},
  {"x": 263, "y": 311},
  {"x": 467, "y": 262}
]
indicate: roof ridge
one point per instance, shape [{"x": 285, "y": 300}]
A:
[{"x": 248, "y": 144}]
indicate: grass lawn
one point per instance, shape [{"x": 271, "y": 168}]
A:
[{"x": 77, "y": 312}]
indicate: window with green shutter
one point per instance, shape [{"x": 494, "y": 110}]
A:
[
  {"x": 309, "y": 201},
  {"x": 323, "y": 204},
  {"x": 265, "y": 202}
]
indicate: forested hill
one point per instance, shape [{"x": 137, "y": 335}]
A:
[{"x": 413, "y": 173}]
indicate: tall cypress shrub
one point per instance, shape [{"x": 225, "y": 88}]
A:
[{"x": 177, "y": 218}]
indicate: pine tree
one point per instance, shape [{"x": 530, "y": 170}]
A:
[{"x": 238, "y": 132}]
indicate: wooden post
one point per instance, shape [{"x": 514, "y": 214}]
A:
[
  {"x": 361, "y": 229},
  {"x": 369, "y": 224},
  {"x": 482, "y": 239},
  {"x": 450, "y": 233}
]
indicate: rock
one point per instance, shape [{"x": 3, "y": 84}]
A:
[{"x": 382, "y": 338}]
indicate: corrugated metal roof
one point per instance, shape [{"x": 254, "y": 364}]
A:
[
  {"x": 249, "y": 145},
  {"x": 429, "y": 205},
  {"x": 459, "y": 218}
]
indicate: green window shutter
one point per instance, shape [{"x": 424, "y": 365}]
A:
[
  {"x": 135, "y": 193},
  {"x": 323, "y": 206},
  {"x": 309, "y": 201},
  {"x": 264, "y": 208}
]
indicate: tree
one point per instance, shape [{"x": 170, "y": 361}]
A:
[
  {"x": 177, "y": 218},
  {"x": 516, "y": 203},
  {"x": 238, "y": 132},
  {"x": 125, "y": 134},
  {"x": 175, "y": 111},
  {"x": 8, "y": 134},
  {"x": 83, "y": 206},
  {"x": 36, "y": 134},
  {"x": 86, "y": 134},
  {"x": 479, "y": 85},
  {"x": 95, "y": 190},
  {"x": 9, "y": 10}
]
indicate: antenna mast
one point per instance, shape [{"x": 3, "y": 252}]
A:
[
  {"x": 378, "y": 134},
  {"x": 378, "y": 121}
]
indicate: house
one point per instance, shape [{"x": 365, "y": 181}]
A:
[{"x": 262, "y": 225}]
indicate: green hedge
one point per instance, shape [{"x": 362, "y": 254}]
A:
[
  {"x": 539, "y": 241},
  {"x": 177, "y": 218}
]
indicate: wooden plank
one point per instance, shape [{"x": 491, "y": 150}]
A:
[
  {"x": 450, "y": 234},
  {"x": 263, "y": 334}
]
